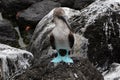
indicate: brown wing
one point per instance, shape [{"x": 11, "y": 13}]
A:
[
  {"x": 52, "y": 41},
  {"x": 71, "y": 39}
]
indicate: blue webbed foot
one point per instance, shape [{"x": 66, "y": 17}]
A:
[
  {"x": 67, "y": 59},
  {"x": 57, "y": 59},
  {"x": 60, "y": 58}
]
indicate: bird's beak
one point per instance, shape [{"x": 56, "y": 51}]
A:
[{"x": 65, "y": 19}]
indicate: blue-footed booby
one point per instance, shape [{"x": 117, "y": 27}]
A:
[{"x": 61, "y": 37}]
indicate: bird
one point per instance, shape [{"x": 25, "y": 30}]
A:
[{"x": 61, "y": 37}]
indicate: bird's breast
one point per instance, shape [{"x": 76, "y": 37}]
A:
[{"x": 61, "y": 38}]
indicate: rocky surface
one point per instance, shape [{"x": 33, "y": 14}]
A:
[
  {"x": 0, "y": 6},
  {"x": 66, "y": 3},
  {"x": 80, "y": 4},
  {"x": 11, "y": 7},
  {"x": 13, "y": 61},
  {"x": 16, "y": 3},
  {"x": 74, "y": 4},
  {"x": 45, "y": 70},
  {"x": 113, "y": 72},
  {"x": 8, "y": 35}
]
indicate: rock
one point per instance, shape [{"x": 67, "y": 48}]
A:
[
  {"x": 80, "y": 70},
  {"x": 13, "y": 61},
  {"x": 31, "y": 16},
  {"x": 0, "y": 71},
  {"x": 0, "y": 6},
  {"x": 10, "y": 8},
  {"x": 8, "y": 35},
  {"x": 113, "y": 72},
  {"x": 80, "y": 4},
  {"x": 100, "y": 24},
  {"x": 36, "y": 12},
  {"x": 74, "y": 4},
  {"x": 66, "y": 3}
]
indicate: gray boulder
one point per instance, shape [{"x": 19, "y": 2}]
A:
[
  {"x": 66, "y": 3},
  {"x": 113, "y": 70},
  {"x": 10, "y": 8},
  {"x": 8, "y": 35},
  {"x": 99, "y": 23},
  {"x": 80, "y": 4},
  {"x": 13, "y": 61}
]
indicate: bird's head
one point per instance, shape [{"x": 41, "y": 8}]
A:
[
  {"x": 59, "y": 15},
  {"x": 58, "y": 12}
]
